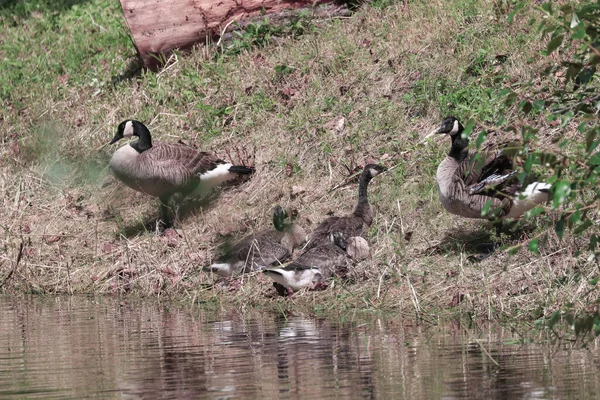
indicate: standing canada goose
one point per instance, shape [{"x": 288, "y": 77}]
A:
[
  {"x": 326, "y": 248},
  {"x": 263, "y": 248},
  {"x": 466, "y": 185},
  {"x": 164, "y": 169}
]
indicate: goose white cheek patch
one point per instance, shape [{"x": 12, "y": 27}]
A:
[
  {"x": 128, "y": 131},
  {"x": 454, "y": 128}
]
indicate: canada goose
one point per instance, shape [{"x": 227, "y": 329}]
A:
[
  {"x": 465, "y": 186},
  {"x": 263, "y": 248},
  {"x": 164, "y": 169},
  {"x": 355, "y": 223},
  {"x": 327, "y": 245}
]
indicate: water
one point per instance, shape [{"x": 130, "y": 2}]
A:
[{"x": 104, "y": 348}]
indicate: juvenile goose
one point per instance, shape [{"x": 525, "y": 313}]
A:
[
  {"x": 326, "y": 248},
  {"x": 164, "y": 169},
  {"x": 266, "y": 247},
  {"x": 466, "y": 185}
]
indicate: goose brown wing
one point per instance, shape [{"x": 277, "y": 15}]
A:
[
  {"x": 325, "y": 256},
  {"x": 203, "y": 162},
  {"x": 349, "y": 225},
  {"x": 481, "y": 166},
  {"x": 166, "y": 163},
  {"x": 263, "y": 247}
]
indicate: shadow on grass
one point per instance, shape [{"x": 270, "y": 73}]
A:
[
  {"x": 133, "y": 70},
  {"x": 24, "y": 8},
  {"x": 152, "y": 223},
  {"x": 482, "y": 242}
]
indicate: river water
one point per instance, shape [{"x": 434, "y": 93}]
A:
[{"x": 81, "y": 347}]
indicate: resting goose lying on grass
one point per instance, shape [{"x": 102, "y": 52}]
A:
[
  {"x": 326, "y": 249},
  {"x": 267, "y": 247},
  {"x": 165, "y": 169}
]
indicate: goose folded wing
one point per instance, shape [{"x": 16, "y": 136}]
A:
[
  {"x": 481, "y": 166},
  {"x": 203, "y": 162},
  {"x": 160, "y": 167},
  {"x": 264, "y": 248},
  {"x": 350, "y": 226},
  {"x": 493, "y": 185}
]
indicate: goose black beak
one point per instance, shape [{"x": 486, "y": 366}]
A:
[{"x": 115, "y": 139}]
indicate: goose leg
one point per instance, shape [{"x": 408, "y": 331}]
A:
[
  {"x": 165, "y": 220},
  {"x": 281, "y": 290},
  {"x": 177, "y": 201}
]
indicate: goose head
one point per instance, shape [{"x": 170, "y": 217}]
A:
[
  {"x": 372, "y": 170},
  {"x": 450, "y": 126},
  {"x": 129, "y": 128},
  {"x": 279, "y": 217}
]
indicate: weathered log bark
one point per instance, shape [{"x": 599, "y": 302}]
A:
[{"x": 159, "y": 26}]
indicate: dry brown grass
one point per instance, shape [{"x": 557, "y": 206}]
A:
[{"x": 83, "y": 232}]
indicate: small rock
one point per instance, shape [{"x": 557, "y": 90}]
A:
[{"x": 357, "y": 248}]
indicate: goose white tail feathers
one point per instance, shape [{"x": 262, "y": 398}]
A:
[
  {"x": 223, "y": 173},
  {"x": 534, "y": 194},
  {"x": 222, "y": 269},
  {"x": 296, "y": 278}
]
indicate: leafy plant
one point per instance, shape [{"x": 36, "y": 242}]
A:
[
  {"x": 259, "y": 34},
  {"x": 567, "y": 93}
]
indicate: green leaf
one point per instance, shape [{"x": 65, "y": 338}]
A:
[
  {"x": 554, "y": 43},
  {"x": 562, "y": 189},
  {"x": 547, "y": 7},
  {"x": 514, "y": 11},
  {"x": 533, "y": 246},
  {"x": 594, "y": 240},
  {"x": 583, "y": 227},
  {"x": 594, "y": 281},
  {"x": 480, "y": 139},
  {"x": 578, "y": 32},
  {"x": 594, "y": 160},
  {"x": 570, "y": 319},
  {"x": 553, "y": 319},
  {"x": 468, "y": 128},
  {"x": 486, "y": 208}
]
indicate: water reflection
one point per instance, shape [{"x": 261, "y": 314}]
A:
[{"x": 79, "y": 347}]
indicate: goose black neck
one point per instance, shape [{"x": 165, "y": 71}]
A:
[
  {"x": 459, "y": 151},
  {"x": 145, "y": 140},
  {"x": 363, "y": 183}
]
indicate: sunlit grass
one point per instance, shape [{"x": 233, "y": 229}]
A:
[{"x": 391, "y": 71}]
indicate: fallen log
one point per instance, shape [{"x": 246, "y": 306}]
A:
[{"x": 160, "y": 26}]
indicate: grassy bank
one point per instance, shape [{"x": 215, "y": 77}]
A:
[{"x": 390, "y": 72}]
